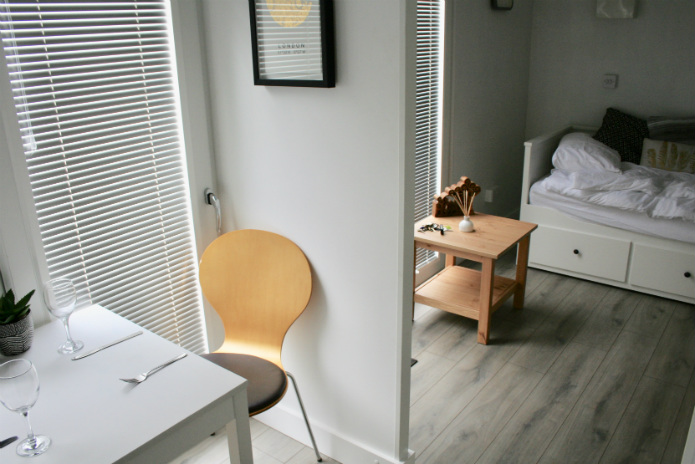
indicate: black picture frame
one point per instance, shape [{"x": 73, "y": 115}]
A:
[{"x": 293, "y": 43}]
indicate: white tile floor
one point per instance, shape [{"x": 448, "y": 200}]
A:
[{"x": 269, "y": 447}]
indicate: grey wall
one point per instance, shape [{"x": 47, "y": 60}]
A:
[
  {"x": 488, "y": 96},
  {"x": 571, "y": 50},
  {"x": 539, "y": 67}
]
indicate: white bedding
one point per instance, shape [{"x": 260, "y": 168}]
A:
[{"x": 642, "y": 199}]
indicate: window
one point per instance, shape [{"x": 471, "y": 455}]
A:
[
  {"x": 428, "y": 114},
  {"x": 95, "y": 91}
]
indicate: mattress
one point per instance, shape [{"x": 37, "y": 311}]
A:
[{"x": 675, "y": 229}]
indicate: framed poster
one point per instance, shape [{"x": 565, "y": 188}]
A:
[{"x": 293, "y": 42}]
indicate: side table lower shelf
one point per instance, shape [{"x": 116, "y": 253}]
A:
[{"x": 457, "y": 290}]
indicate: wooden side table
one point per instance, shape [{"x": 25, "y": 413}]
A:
[{"x": 467, "y": 292}]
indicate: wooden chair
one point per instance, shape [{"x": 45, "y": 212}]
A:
[{"x": 259, "y": 283}]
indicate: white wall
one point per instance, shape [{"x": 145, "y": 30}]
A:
[
  {"x": 489, "y": 82},
  {"x": 653, "y": 54},
  {"x": 326, "y": 168}
]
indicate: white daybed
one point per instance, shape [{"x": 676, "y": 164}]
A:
[{"x": 603, "y": 253}]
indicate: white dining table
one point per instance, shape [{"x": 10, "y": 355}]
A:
[{"x": 93, "y": 417}]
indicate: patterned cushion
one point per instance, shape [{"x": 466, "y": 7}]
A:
[
  {"x": 623, "y": 133},
  {"x": 670, "y": 156}
]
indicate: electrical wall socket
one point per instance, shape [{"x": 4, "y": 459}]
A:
[
  {"x": 610, "y": 81},
  {"x": 489, "y": 195}
]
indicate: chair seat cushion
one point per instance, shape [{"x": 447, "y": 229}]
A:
[{"x": 267, "y": 383}]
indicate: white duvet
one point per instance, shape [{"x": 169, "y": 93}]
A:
[{"x": 655, "y": 192}]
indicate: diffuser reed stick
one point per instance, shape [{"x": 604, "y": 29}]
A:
[
  {"x": 459, "y": 201},
  {"x": 470, "y": 205}
]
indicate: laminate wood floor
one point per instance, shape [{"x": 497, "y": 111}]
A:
[{"x": 585, "y": 373}]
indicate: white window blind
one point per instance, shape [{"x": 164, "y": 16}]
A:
[
  {"x": 95, "y": 90},
  {"x": 428, "y": 112}
]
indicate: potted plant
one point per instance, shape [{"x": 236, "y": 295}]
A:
[{"x": 16, "y": 327}]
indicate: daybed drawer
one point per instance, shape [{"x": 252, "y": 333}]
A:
[
  {"x": 664, "y": 270},
  {"x": 582, "y": 253}
]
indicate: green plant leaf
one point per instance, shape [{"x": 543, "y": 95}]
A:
[
  {"x": 9, "y": 297},
  {"x": 12, "y": 312},
  {"x": 25, "y": 300}
]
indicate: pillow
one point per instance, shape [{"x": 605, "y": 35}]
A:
[
  {"x": 672, "y": 129},
  {"x": 670, "y": 156},
  {"x": 577, "y": 151},
  {"x": 623, "y": 133}
]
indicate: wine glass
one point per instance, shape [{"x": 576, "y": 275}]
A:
[
  {"x": 19, "y": 390},
  {"x": 60, "y": 296}
]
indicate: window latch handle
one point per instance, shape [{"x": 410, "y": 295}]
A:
[{"x": 211, "y": 199}]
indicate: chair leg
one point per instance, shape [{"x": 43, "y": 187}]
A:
[{"x": 306, "y": 419}]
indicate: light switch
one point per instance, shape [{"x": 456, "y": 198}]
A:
[{"x": 610, "y": 81}]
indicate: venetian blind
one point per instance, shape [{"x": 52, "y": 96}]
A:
[
  {"x": 427, "y": 112},
  {"x": 95, "y": 90}
]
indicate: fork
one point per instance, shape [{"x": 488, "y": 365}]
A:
[{"x": 142, "y": 377}]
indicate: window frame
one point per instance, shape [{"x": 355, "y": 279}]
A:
[
  {"x": 21, "y": 254},
  {"x": 427, "y": 263}
]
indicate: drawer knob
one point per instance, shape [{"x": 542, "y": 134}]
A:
[
  {"x": 687, "y": 275},
  {"x": 576, "y": 252}
]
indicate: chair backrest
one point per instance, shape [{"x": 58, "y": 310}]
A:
[{"x": 259, "y": 283}]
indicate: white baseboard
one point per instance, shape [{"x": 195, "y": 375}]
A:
[{"x": 329, "y": 442}]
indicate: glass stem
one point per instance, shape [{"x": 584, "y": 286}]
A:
[
  {"x": 31, "y": 437},
  {"x": 67, "y": 329}
]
